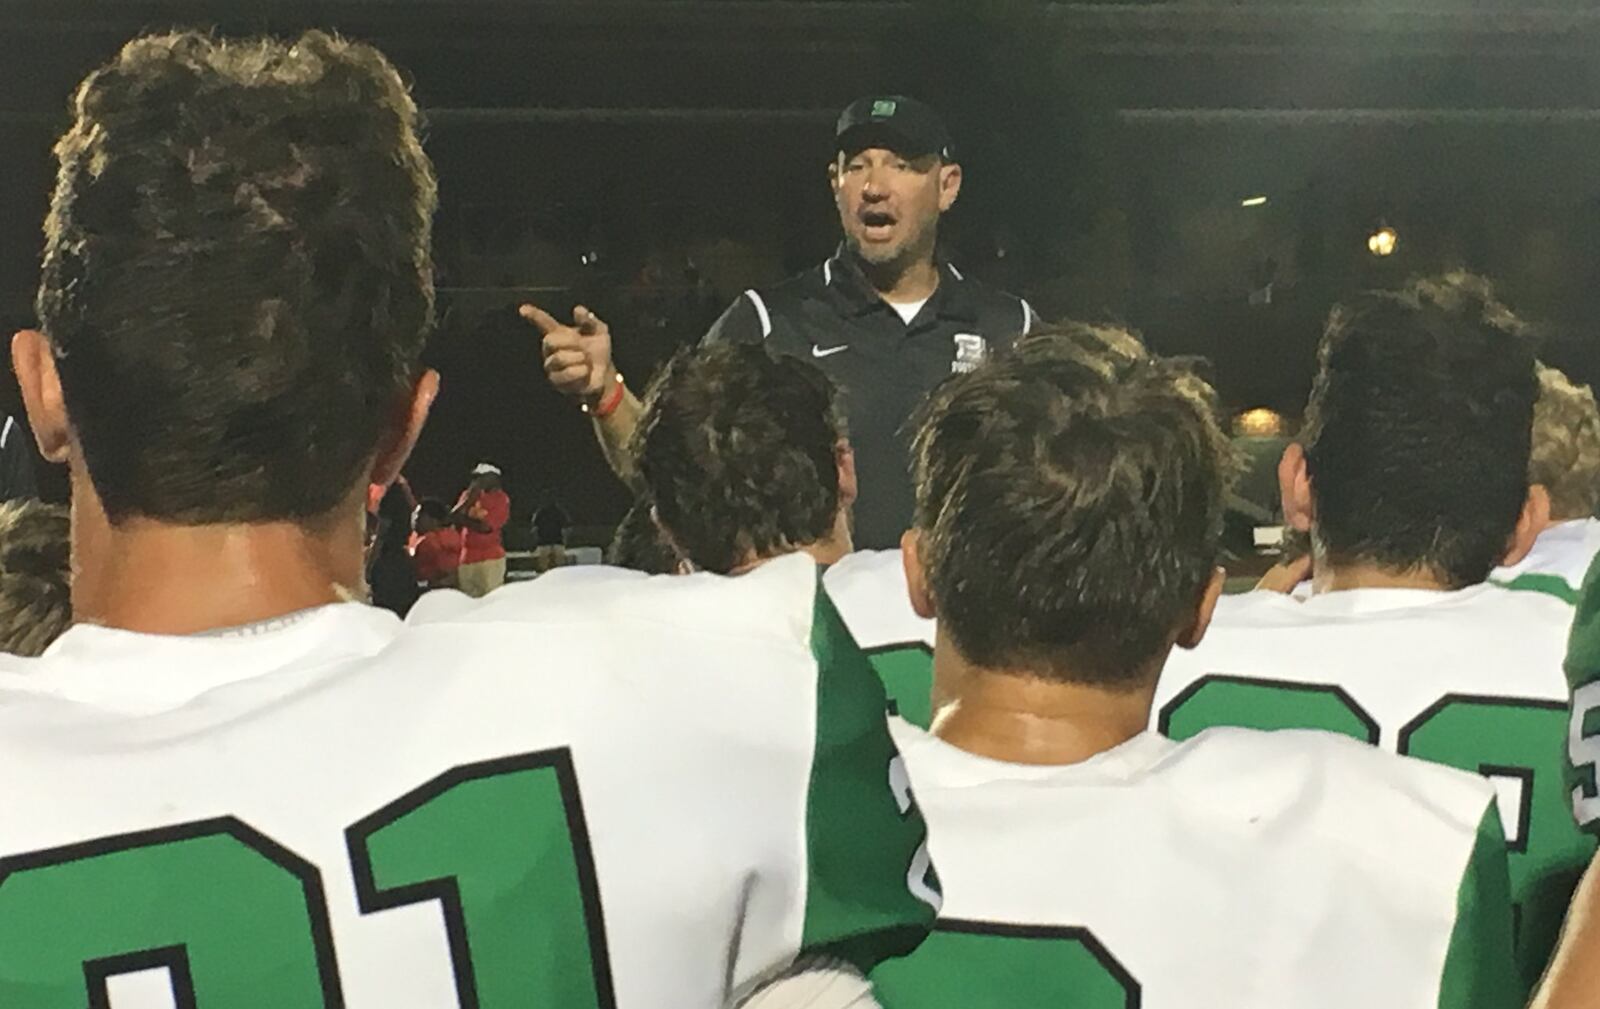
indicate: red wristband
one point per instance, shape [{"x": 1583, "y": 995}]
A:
[{"x": 609, "y": 400}]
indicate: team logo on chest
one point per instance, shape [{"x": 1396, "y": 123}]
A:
[{"x": 971, "y": 350}]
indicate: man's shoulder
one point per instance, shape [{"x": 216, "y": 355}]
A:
[
  {"x": 1332, "y": 769},
  {"x": 774, "y": 604},
  {"x": 869, "y": 588}
]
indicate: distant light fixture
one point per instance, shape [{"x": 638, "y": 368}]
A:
[
  {"x": 1253, "y": 201},
  {"x": 1259, "y": 423},
  {"x": 1383, "y": 241}
]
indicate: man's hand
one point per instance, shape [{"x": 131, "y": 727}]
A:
[
  {"x": 577, "y": 358},
  {"x": 1286, "y": 576}
]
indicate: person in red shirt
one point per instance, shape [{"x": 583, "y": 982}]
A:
[
  {"x": 482, "y": 512},
  {"x": 436, "y": 551}
]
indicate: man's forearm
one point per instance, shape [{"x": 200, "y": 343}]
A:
[
  {"x": 615, "y": 431},
  {"x": 1573, "y": 980}
]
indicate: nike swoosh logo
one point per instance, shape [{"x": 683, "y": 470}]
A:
[{"x": 828, "y": 351}]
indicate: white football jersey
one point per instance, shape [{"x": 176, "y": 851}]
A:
[
  {"x": 869, "y": 587},
  {"x": 595, "y": 789},
  {"x": 1560, "y": 557},
  {"x": 1470, "y": 678},
  {"x": 1238, "y": 869}
]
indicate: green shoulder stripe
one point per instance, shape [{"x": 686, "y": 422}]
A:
[
  {"x": 871, "y": 893},
  {"x": 1550, "y": 585},
  {"x": 1480, "y": 967}
]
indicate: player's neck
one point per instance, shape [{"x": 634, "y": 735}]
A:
[
  {"x": 1344, "y": 577},
  {"x": 160, "y": 578},
  {"x": 1022, "y": 719}
]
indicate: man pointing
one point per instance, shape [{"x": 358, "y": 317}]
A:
[{"x": 886, "y": 317}]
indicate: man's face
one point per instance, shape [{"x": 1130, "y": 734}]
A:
[{"x": 889, "y": 204}]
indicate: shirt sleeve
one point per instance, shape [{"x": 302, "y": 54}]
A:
[
  {"x": 1480, "y": 965},
  {"x": 741, "y": 322},
  {"x": 496, "y": 510},
  {"x": 871, "y": 891},
  {"x": 1583, "y": 726}
]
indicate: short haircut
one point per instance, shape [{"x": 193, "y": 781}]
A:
[
  {"x": 35, "y": 576},
  {"x": 738, "y": 451},
  {"x": 1566, "y": 446},
  {"x": 237, "y": 281},
  {"x": 1417, "y": 433},
  {"x": 1070, "y": 500}
]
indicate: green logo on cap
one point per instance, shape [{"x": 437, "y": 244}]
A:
[{"x": 883, "y": 107}]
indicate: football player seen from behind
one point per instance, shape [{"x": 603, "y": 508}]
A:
[{"x": 1069, "y": 514}]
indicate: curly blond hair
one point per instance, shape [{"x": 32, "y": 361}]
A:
[
  {"x": 1566, "y": 446},
  {"x": 35, "y": 576}
]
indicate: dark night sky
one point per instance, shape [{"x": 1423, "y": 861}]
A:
[{"x": 1107, "y": 151}]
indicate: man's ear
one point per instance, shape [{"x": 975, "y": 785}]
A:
[
  {"x": 1294, "y": 484},
  {"x": 949, "y": 186},
  {"x": 1196, "y": 631},
  {"x": 404, "y": 428},
  {"x": 916, "y": 578},
  {"x": 1535, "y": 519},
  {"x": 845, "y": 456},
  {"x": 35, "y": 365},
  {"x": 835, "y": 174}
]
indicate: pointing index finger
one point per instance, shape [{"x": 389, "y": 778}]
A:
[{"x": 546, "y": 322}]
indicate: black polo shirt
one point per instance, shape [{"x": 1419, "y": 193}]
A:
[{"x": 883, "y": 366}]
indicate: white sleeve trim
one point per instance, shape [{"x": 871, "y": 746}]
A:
[
  {"x": 761, "y": 310},
  {"x": 1027, "y": 316}
]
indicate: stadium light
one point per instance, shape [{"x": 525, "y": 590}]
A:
[
  {"x": 1383, "y": 241},
  {"x": 1253, "y": 201},
  {"x": 1259, "y": 423}
]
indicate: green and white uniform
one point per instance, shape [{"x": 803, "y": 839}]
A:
[
  {"x": 1242, "y": 869},
  {"x": 869, "y": 587},
  {"x": 1583, "y": 726},
  {"x": 1470, "y": 679},
  {"x": 1560, "y": 557},
  {"x": 593, "y": 790}
]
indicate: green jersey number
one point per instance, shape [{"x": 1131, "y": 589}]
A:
[
  {"x": 1515, "y": 739},
  {"x": 502, "y": 845},
  {"x": 907, "y": 674},
  {"x": 984, "y": 965}
]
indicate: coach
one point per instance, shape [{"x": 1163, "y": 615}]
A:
[{"x": 886, "y": 317}]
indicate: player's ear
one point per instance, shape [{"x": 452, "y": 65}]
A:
[
  {"x": 916, "y": 577},
  {"x": 835, "y": 173},
  {"x": 1535, "y": 519},
  {"x": 35, "y": 367},
  {"x": 1196, "y": 631},
  {"x": 1294, "y": 484},
  {"x": 404, "y": 429},
  {"x": 949, "y": 185},
  {"x": 845, "y": 457}
]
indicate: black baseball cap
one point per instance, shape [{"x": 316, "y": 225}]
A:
[{"x": 900, "y": 124}]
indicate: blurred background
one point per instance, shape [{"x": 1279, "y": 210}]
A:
[{"x": 1214, "y": 175}]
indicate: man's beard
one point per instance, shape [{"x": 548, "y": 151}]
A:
[{"x": 893, "y": 256}]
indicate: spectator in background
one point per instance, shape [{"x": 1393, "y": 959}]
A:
[
  {"x": 482, "y": 512},
  {"x": 1566, "y": 464},
  {"x": 35, "y": 576},
  {"x": 436, "y": 553},
  {"x": 744, "y": 457},
  {"x": 390, "y": 579},
  {"x": 550, "y": 523}
]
